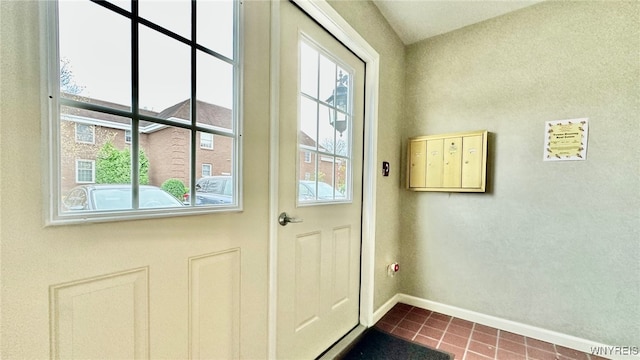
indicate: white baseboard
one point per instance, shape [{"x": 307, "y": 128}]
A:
[
  {"x": 498, "y": 323},
  {"x": 379, "y": 313}
]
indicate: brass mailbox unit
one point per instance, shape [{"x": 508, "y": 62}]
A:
[{"x": 449, "y": 162}]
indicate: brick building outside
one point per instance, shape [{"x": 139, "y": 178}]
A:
[{"x": 84, "y": 133}]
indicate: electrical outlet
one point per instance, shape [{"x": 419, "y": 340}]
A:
[{"x": 392, "y": 269}]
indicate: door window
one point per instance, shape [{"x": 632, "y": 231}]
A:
[{"x": 325, "y": 127}]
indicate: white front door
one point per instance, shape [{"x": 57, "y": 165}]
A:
[{"x": 320, "y": 187}]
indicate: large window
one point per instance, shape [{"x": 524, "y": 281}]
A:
[{"x": 140, "y": 91}]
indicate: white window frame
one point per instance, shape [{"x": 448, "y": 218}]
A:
[
  {"x": 202, "y": 172},
  {"x": 321, "y": 154},
  {"x": 54, "y": 214},
  {"x": 307, "y": 157},
  {"x": 208, "y": 143},
  {"x": 78, "y": 133},
  {"x": 127, "y": 136},
  {"x": 93, "y": 171}
]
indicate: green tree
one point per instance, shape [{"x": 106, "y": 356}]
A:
[{"x": 113, "y": 166}]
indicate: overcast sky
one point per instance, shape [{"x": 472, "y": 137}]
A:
[{"x": 96, "y": 42}]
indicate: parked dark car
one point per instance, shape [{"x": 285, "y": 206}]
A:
[
  {"x": 307, "y": 191},
  {"x": 116, "y": 197},
  {"x": 213, "y": 190}
]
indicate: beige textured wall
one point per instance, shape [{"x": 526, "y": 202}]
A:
[
  {"x": 365, "y": 18},
  {"x": 551, "y": 244}
]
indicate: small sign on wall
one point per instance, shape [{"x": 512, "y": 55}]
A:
[{"x": 566, "y": 139}]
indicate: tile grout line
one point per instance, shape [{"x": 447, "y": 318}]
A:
[
  {"x": 495, "y": 352},
  {"x": 466, "y": 348},
  {"x": 404, "y": 317},
  {"x": 421, "y": 326},
  {"x": 398, "y": 323},
  {"x": 525, "y": 344},
  {"x": 553, "y": 352},
  {"x": 445, "y": 331}
]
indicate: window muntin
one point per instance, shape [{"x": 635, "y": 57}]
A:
[
  {"x": 325, "y": 123},
  {"x": 130, "y": 75}
]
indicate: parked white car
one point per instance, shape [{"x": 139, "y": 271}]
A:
[{"x": 116, "y": 197}]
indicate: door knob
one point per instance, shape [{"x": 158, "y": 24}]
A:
[{"x": 284, "y": 219}]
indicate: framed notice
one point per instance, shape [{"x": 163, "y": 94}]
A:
[{"x": 566, "y": 140}]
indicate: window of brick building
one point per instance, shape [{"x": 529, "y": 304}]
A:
[
  {"x": 206, "y": 141},
  {"x": 85, "y": 133},
  {"x": 206, "y": 170},
  {"x": 85, "y": 171}
]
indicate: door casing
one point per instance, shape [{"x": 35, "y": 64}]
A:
[{"x": 327, "y": 17}]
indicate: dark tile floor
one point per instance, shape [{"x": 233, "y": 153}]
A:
[{"x": 468, "y": 340}]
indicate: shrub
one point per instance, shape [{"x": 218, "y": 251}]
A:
[
  {"x": 174, "y": 187},
  {"x": 113, "y": 166}
]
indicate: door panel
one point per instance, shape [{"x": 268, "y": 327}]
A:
[
  {"x": 215, "y": 279},
  {"x": 320, "y": 182},
  {"x": 113, "y": 307},
  {"x": 342, "y": 265},
  {"x": 307, "y": 272}
]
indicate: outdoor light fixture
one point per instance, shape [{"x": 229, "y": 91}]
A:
[{"x": 339, "y": 100}]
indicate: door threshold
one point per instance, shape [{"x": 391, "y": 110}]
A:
[{"x": 343, "y": 345}]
